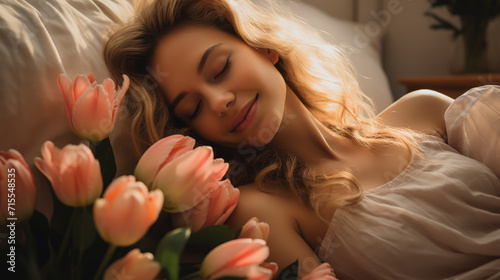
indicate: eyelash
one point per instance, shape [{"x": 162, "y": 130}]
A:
[
  {"x": 196, "y": 111},
  {"x": 225, "y": 69},
  {"x": 222, "y": 72}
]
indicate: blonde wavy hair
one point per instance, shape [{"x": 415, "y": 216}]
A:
[{"x": 317, "y": 72}]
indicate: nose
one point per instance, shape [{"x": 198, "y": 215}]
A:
[{"x": 219, "y": 101}]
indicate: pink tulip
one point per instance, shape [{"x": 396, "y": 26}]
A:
[
  {"x": 73, "y": 171},
  {"x": 91, "y": 108},
  {"x": 240, "y": 258},
  {"x": 161, "y": 153},
  {"x": 255, "y": 229},
  {"x": 322, "y": 272},
  {"x": 133, "y": 266},
  {"x": 184, "y": 175},
  {"x": 214, "y": 210},
  {"x": 17, "y": 187},
  {"x": 126, "y": 211}
]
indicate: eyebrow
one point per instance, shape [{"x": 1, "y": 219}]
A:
[
  {"x": 203, "y": 60},
  {"x": 205, "y": 57}
]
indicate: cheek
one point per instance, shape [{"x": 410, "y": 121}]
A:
[
  {"x": 257, "y": 73},
  {"x": 206, "y": 127}
]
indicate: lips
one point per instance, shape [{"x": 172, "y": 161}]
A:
[{"x": 245, "y": 116}]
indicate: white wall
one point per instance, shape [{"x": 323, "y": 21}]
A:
[{"x": 410, "y": 46}]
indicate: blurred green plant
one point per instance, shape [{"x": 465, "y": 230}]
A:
[{"x": 474, "y": 16}]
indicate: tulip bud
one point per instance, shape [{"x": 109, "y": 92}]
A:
[
  {"x": 126, "y": 211},
  {"x": 161, "y": 153},
  {"x": 213, "y": 210},
  {"x": 321, "y": 272},
  {"x": 185, "y": 176},
  {"x": 90, "y": 107},
  {"x": 74, "y": 172},
  {"x": 17, "y": 187},
  {"x": 133, "y": 266},
  {"x": 255, "y": 229},
  {"x": 239, "y": 258}
]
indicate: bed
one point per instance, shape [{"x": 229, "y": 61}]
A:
[{"x": 40, "y": 39}]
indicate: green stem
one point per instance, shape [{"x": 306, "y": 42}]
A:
[
  {"x": 105, "y": 261},
  {"x": 66, "y": 239},
  {"x": 80, "y": 252},
  {"x": 76, "y": 263}
]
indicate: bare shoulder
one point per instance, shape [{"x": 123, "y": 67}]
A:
[
  {"x": 256, "y": 203},
  {"x": 421, "y": 110},
  {"x": 282, "y": 214}
]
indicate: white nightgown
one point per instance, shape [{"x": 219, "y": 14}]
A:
[{"x": 439, "y": 219}]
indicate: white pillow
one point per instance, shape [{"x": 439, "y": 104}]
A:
[
  {"x": 362, "y": 43},
  {"x": 39, "y": 40}
]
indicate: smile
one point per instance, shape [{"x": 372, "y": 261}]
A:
[{"x": 246, "y": 116}]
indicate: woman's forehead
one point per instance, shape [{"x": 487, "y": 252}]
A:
[
  {"x": 190, "y": 39},
  {"x": 179, "y": 53}
]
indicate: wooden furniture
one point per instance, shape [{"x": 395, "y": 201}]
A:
[{"x": 452, "y": 85}]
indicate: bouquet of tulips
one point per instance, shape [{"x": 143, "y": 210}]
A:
[{"x": 105, "y": 227}]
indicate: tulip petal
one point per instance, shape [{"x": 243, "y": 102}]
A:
[
  {"x": 99, "y": 212},
  {"x": 321, "y": 272},
  {"x": 109, "y": 87},
  {"x": 46, "y": 165},
  {"x": 80, "y": 85},
  {"x": 271, "y": 266},
  {"x": 13, "y": 154},
  {"x": 87, "y": 176},
  {"x": 73, "y": 171},
  {"x": 127, "y": 212},
  {"x": 255, "y": 229},
  {"x": 91, "y": 78},
  {"x": 118, "y": 96},
  {"x": 222, "y": 203},
  {"x": 133, "y": 266},
  {"x": 220, "y": 169},
  {"x": 66, "y": 86},
  {"x": 25, "y": 189},
  {"x": 155, "y": 202},
  {"x": 235, "y": 253},
  {"x": 188, "y": 173},
  {"x": 117, "y": 186},
  {"x": 92, "y": 114},
  {"x": 131, "y": 209},
  {"x": 161, "y": 153}
]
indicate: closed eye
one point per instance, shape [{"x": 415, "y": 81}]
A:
[
  {"x": 196, "y": 111},
  {"x": 224, "y": 69}
]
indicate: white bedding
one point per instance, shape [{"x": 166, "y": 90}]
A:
[
  {"x": 363, "y": 50},
  {"x": 40, "y": 39}
]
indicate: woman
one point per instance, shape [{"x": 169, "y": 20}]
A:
[{"x": 377, "y": 197}]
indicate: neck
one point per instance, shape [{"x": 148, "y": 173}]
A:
[{"x": 302, "y": 134}]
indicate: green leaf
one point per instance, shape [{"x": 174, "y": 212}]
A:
[
  {"x": 211, "y": 237},
  {"x": 84, "y": 232},
  {"x": 443, "y": 24},
  {"x": 170, "y": 249},
  {"x": 237, "y": 233},
  {"x": 104, "y": 154},
  {"x": 59, "y": 222},
  {"x": 289, "y": 272}
]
